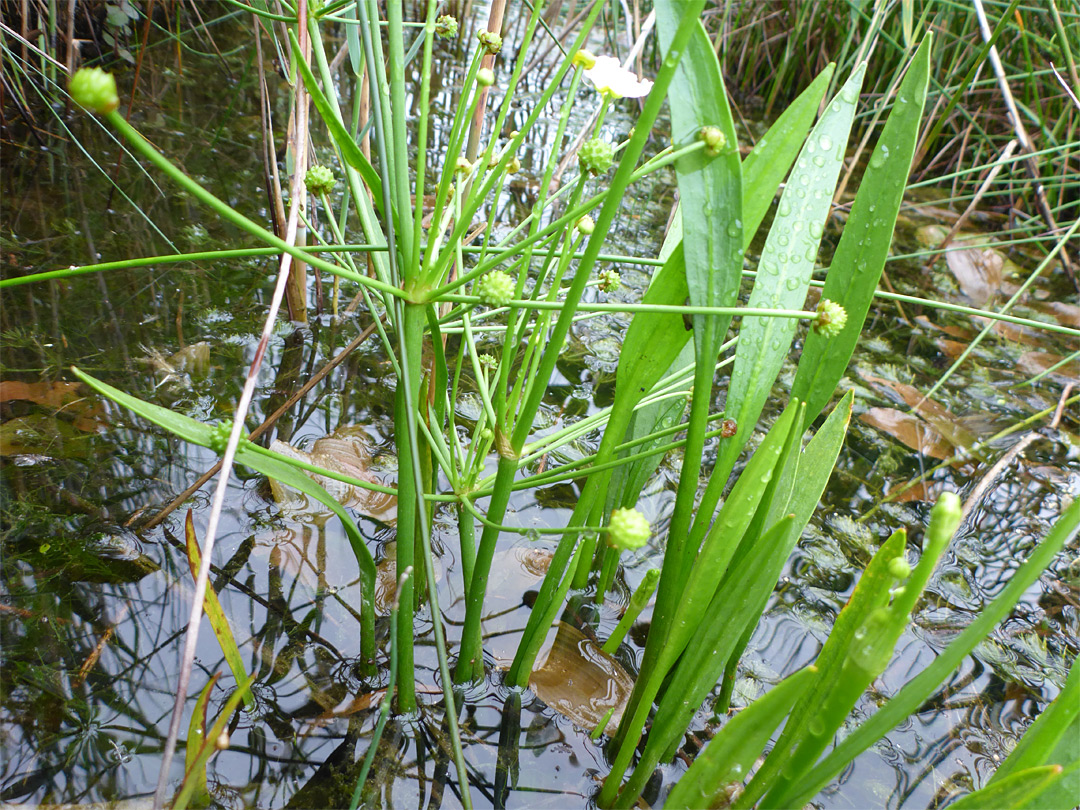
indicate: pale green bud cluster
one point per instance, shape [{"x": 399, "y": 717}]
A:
[
  {"x": 219, "y": 438},
  {"x": 446, "y": 27},
  {"x": 628, "y": 529},
  {"x": 586, "y": 225},
  {"x": 583, "y": 59},
  {"x": 485, "y": 77},
  {"x": 496, "y": 289},
  {"x": 609, "y": 280},
  {"x": 714, "y": 138},
  {"x": 488, "y": 361},
  {"x": 319, "y": 180},
  {"x": 491, "y": 41},
  {"x": 596, "y": 156},
  {"x": 831, "y": 318},
  {"x": 95, "y": 90}
]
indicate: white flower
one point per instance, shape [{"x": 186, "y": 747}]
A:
[{"x": 618, "y": 82}]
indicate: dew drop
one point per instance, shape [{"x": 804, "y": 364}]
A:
[
  {"x": 819, "y": 161},
  {"x": 793, "y": 284},
  {"x": 783, "y": 240},
  {"x": 804, "y": 180},
  {"x": 825, "y": 142},
  {"x": 878, "y": 160},
  {"x": 785, "y": 208},
  {"x": 815, "y": 230},
  {"x": 800, "y": 193}
]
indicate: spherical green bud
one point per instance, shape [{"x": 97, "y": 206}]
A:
[
  {"x": 491, "y": 41},
  {"x": 586, "y": 225},
  {"x": 488, "y": 361},
  {"x": 496, "y": 289},
  {"x": 899, "y": 568},
  {"x": 319, "y": 180},
  {"x": 446, "y": 27},
  {"x": 583, "y": 59},
  {"x": 628, "y": 529},
  {"x": 95, "y": 90},
  {"x": 596, "y": 156},
  {"x": 219, "y": 438},
  {"x": 831, "y": 318},
  {"x": 609, "y": 280},
  {"x": 462, "y": 166},
  {"x": 485, "y": 77},
  {"x": 714, "y": 140},
  {"x": 514, "y": 166}
]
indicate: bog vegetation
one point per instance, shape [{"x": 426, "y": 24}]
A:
[{"x": 471, "y": 299}]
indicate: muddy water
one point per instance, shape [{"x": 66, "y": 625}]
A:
[{"x": 93, "y": 608}]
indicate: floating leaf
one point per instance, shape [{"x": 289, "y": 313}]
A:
[
  {"x": 909, "y": 430},
  {"x": 580, "y": 681},
  {"x": 347, "y": 451},
  {"x": 977, "y": 272},
  {"x": 1037, "y": 362}
]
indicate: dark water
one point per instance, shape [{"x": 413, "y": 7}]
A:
[{"x": 92, "y": 608}]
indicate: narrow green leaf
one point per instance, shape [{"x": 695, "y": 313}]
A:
[
  {"x": 731, "y": 754},
  {"x": 209, "y": 745},
  {"x": 1016, "y": 791},
  {"x": 919, "y": 689},
  {"x": 212, "y": 608},
  {"x": 179, "y": 425},
  {"x": 200, "y": 796},
  {"x": 350, "y": 152},
  {"x": 864, "y": 245},
  {"x": 787, "y": 261}
]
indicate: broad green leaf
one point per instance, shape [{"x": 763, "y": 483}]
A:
[
  {"x": 871, "y": 592},
  {"x": 787, "y": 261},
  {"x": 212, "y": 608},
  {"x": 342, "y": 139},
  {"x": 864, "y": 245},
  {"x": 677, "y": 706},
  {"x": 922, "y": 686},
  {"x": 1016, "y": 791},
  {"x": 731, "y": 754},
  {"x": 772, "y": 157}
]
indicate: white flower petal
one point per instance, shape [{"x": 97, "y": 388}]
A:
[{"x": 610, "y": 77}]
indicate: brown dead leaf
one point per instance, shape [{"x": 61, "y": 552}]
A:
[
  {"x": 1033, "y": 363},
  {"x": 909, "y": 430},
  {"x": 580, "y": 681},
  {"x": 63, "y": 398},
  {"x": 978, "y": 272},
  {"x": 945, "y": 423},
  {"x": 951, "y": 348},
  {"x": 1065, "y": 314}
]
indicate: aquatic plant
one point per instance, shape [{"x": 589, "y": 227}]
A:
[{"x": 526, "y": 282}]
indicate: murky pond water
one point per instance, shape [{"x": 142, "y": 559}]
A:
[{"x": 94, "y": 605}]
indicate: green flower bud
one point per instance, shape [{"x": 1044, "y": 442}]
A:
[
  {"x": 586, "y": 225},
  {"x": 609, "y": 280},
  {"x": 714, "y": 139},
  {"x": 319, "y": 180},
  {"x": 491, "y": 41},
  {"x": 488, "y": 361},
  {"x": 628, "y": 529},
  {"x": 596, "y": 156},
  {"x": 831, "y": 318},
  {"x": 485, "y": 77},
  {"x": 514, "y": 166},
  {"x": 583, "y": 59},
  {"x": 462, "y": 166},
  {"x": 446, "y": 27},
  {"x": 95, "y": 90},
  {"x": 899, "y": 568},
  {"x": 496, "y": 289}
]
